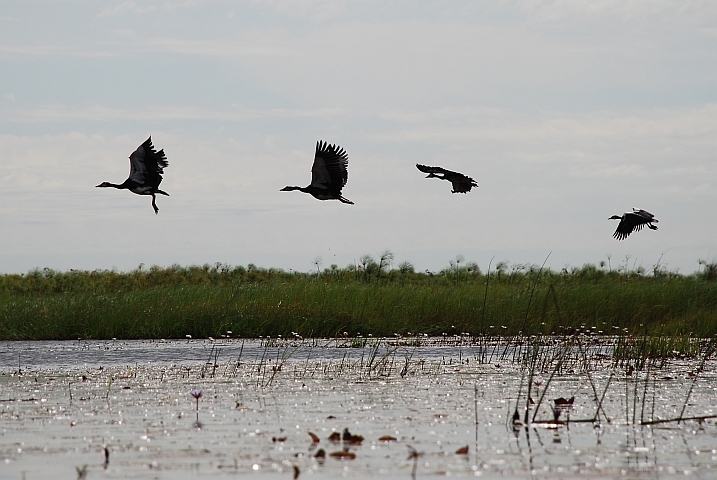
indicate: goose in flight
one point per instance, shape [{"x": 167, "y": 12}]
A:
[
  {"x": 633, "y": 221},
  {"x": 461, "y": 183},
  {"x": 146, "y": 167},
  {"x": 329, "y": 174}
]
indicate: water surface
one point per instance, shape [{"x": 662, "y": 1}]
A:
[{"x": 62, "y": 403}]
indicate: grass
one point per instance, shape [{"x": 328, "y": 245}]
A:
[{"x": 369, "y": 298}]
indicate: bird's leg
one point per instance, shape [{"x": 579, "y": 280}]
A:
[{"x": 154, "y": 205}]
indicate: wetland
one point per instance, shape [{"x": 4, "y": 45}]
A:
[
  {"x": 369, "y": 298},
  {"x": 426, "y": 407}
]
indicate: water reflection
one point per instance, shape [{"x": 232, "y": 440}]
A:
[{"x": 269, "y": 410}]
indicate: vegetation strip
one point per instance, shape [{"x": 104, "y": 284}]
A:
[{"x": 368, "y": 298}]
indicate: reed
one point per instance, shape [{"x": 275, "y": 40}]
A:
[{"x": 206, "y": 301}]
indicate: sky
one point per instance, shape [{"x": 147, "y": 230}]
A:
[{"x": 565, "y": 112}]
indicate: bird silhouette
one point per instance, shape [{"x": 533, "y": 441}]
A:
[
  {"x": 633, "y": 221},
  {"x": 329, "y": 174},
  {"x": 461, "y": 183},
  {"x": 146, "y": 167}
]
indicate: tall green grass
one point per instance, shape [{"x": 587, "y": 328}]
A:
[{"x": 366, "y": 299}]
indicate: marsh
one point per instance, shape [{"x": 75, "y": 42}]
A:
[{"x": 63, "y": 403}]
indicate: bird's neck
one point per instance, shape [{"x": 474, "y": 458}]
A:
[{"x": 108, "y": 184}]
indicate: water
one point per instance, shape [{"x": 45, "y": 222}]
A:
[
  {"x": 62, "y": 403},
  {"x": 114, "y": 352}
]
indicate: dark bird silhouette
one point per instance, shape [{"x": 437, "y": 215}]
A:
[
  {"x": 329, "y": 174},
  {"x": 461, "y": 183},
  {"x": 146, "y": 167},
  {"x": 633, "y": 221}
]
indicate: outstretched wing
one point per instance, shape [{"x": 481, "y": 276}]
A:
[
  {"x": 624, "y": 228},
  {"x": 462, "y": 183},
  {"x": 645, "y": 214},
  {"x": 630, "y": 222},
  {"x": 622, "y": 232},
  {"x": 147, "y": 165},
  {"x": 427, "y": 169},
  {"x": 330, "y": 168},
  {"x": 137, "y": 170}
]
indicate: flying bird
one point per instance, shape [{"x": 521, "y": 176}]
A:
[
  {"x": 146, "y": 167},
  {"x": 329, "y": 174},
  {"x": 633, "y": 221},
  {"x": 461, "y": 183}
]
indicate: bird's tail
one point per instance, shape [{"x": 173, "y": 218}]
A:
[{"x": 345, "y": 200}]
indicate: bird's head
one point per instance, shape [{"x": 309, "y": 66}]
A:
[
  {"x": 103, "y": 184},
  {"x": 615, "y": 217}
]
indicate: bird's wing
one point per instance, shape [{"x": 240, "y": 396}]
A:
[
  {"x": 147, "y": 165},
  {"x": 137, "y": 169},
  {"x": 645, "y": 214},
  {"x": 639, "y": 219},
  {"x": 320, "y": 177},
  {"x": 461, "y": 183},
  {"x": 330, "y": 169},
  {"x": 630, "y": 222},
  {"x": 427, "y": 169},
  {"x": 624, "y": 228}
]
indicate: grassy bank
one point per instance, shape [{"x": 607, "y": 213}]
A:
[{"x": 365, "y": 299}]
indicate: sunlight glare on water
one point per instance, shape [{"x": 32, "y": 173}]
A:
[{"x": 62, "y": 403}]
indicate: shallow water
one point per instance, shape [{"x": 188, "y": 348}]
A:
[
  {"x": 120, "y": 352},
  {"x": 62, "y": 402}
]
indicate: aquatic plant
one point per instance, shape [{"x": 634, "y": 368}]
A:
[
  {"x": 197, "y": 394},
  {"x": 211, "y": 301},
  {"x": 81, "y": 472},
  {"x": 447, "y": 376}
]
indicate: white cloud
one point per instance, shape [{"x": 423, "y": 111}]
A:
[
  {"x": 98, "y": 113},
  {"x": 417, "y": 61},
  {"x": 127, "y": 7},
  {"x": 217, "y": 47},
  {"x": 662, "y": 12},
  {"x": 126, "y": 32},
  {"x": 451, "y": 125},
  {"x": 319, "y": 10},
  {"x": 53, "y": 50},
  {"x": 564, "y": 112}
]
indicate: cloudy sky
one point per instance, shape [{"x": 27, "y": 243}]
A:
[{"x": 565, "y": 113}]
